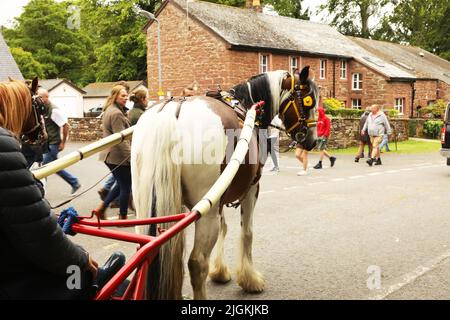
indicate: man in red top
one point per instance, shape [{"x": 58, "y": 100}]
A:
[{"x": 323, "y": 132}]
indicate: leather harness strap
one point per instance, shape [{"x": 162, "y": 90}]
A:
[{"x": 172, "y": 99}]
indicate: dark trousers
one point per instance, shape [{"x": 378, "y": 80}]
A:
[{"x": 122, "y": 188}]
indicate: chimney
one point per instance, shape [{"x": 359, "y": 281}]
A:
[{"x": 254, "y": 5}]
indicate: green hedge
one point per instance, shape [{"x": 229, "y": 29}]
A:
[
  {"x": 432, "y": 128},
  {"x": 412, "y": 127},
  {"x": 345, "y": 113}
]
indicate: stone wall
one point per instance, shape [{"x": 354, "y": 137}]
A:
[
  {"x": 344, "y": 132},
  {"x": 85, "y": 129}
]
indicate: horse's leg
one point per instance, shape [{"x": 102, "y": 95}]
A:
[
  {"x": 206, "y": 232},
  {"x": 247, "y": 277},
  {"x": 221, "y": 273}
]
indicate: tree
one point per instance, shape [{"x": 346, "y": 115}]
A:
[
  {"x": 42, "y": 30},
  {"x": 289, "y": 8},
  {"x": 420, "y": 23},
  {"x": 352, "y": 16},
  {"x": 29, "y": 67},
  {"x": 116, "y": 31}
]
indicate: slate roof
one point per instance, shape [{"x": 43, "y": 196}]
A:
[
  {"x": 409, "y": 58},
  {"x": 248, "y": 29},
  {"x": 50, "y": 84},
  {"x": 8, "y": 66},
  {"x": 103, "y": 89}
]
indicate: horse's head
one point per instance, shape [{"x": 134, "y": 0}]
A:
[
  {"x": 34, "y": 127},
  {"x": 297, "y": 111}
]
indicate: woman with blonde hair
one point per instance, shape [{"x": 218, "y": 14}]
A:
[
  {"x": 36, "y": 253},
  {"x": 140, "y": 99},
  {"x": 116, "y": 158}
]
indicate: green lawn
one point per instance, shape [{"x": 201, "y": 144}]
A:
[{"x": 409, "y": 146}]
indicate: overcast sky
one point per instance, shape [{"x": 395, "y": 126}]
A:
[{"x": 11, "y": 9}]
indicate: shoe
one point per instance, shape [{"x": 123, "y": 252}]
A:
[
  {"x": 123, "y": 216},
  {"x": 99, "y": 212},
  {"x": 110, "y": 268},
  {"x": 370, "y": 161},
  {"x": 114, "y": 205},
  {"x": 275, "y": 169},
  {"x": 356, "y": 159},
  {"x": 75, "y": 189},
  {"x": 102, "y": 193},
  {"x": 302, "y": 173},
  {"x": 332, "y": 161},
  {"x": 378, "y": 162},
  {"x": 318, "y": 166}
]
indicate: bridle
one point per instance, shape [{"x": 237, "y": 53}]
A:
[
  {"x": 294, "y": 111},
  {"x": 38, "y": 133}
]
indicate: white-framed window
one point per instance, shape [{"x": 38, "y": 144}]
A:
[
  {"x": 293, "y": 64},
  {"x": 357, "y": 81},
  {"x": 356, "y": 103},
  {"x": 263, "y": 63},
  {"x": 399, "y": 105},
  {"x": 323, "y": 69},
  {"x": 343, "y": 69}
]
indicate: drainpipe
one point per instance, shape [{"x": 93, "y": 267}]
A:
[
  {"x": 334, "y": 78},
  {"x": 413, "y": 96}
]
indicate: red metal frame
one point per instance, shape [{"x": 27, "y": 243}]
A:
[
  {"x": 148, "y": 246},
  {"x": 142, "y": 259}
]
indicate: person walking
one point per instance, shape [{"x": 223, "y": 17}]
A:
[
  {"x": 377, "y": 126},
  {"x": 364, "y": 138},
  {"x": 272, "y": 142},
  {"x": 116, "y": 158},
  {"x": 57, "y": 127},
  {"x": 323, "y": 133},
  {"x": 385, "y": 143},
  {"x": 140, "y": 99}
]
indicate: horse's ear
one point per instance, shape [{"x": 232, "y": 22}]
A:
[
  {"x": 34, "y": 85},
  {"x": 304, "y": 74}
]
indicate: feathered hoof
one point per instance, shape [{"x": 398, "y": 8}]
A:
[
  {"x": 220, "y": 275},
  {"x": 252, "y": 282}
]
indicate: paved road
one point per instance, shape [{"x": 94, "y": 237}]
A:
[{"x": 330, "y": 234}]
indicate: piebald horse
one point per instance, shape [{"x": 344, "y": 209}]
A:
[{"x": 177, "y": 153}]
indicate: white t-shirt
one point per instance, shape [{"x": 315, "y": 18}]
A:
[
  {"x": 58, "y": 117},
  {"x": 274, "y": 132}
]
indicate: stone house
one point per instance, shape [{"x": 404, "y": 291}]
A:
[
  {"x": 432, "y": 73},
  {"x": 217, "y": 45}
]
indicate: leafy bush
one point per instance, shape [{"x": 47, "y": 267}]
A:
[
  {"x": 392, "y": 113},
  {"x": 432, "y": 128},
  {"x": 332, "y": 104},
  {"x": 336, "y": 108},
  {"x": 435, "y": 110}
]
